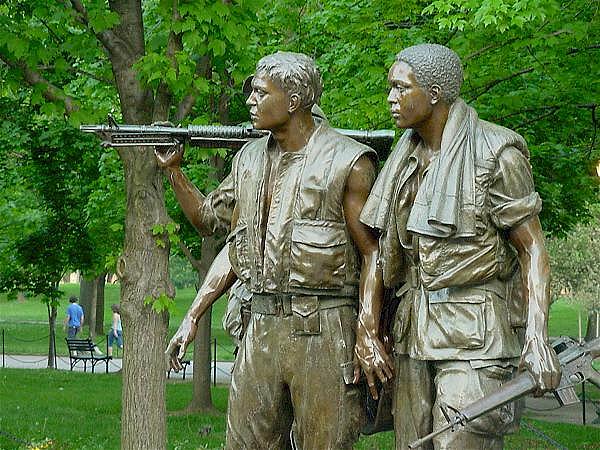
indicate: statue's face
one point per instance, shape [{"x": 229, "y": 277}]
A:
[
  {"x": 410, "y": 104},
  {"x": 269, "y": 104}
]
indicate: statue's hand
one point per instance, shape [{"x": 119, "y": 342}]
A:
[
  {"x": 373, "y": 358},
  {"x": 539, "y": 358},
  {"x": 170, "y": 157},
  {"x": 180, "y": 341}
]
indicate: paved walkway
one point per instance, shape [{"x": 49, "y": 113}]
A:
[
  {"x": 222, "y": 371},
  {"x": 544, "y": 408}
]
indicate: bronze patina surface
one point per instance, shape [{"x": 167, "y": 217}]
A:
[
  {"x": 293, "y": 199},
  {"x": 462, "y": 247}
]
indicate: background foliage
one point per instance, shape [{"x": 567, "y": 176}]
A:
[{"x": 528, "y": 66}]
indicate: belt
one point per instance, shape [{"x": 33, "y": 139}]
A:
[
  {"x": 284, "y": 304},
  {"x": 413, "y": 281}
]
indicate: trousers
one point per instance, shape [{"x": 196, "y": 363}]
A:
[{"x": 295, "y": 371}]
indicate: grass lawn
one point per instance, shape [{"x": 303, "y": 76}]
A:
[
  {"x": 25, "y": 323},
  {"x": 78, "y": 411}
]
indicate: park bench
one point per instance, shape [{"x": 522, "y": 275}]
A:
[
  {"x": 184, "y": 365},
  {"x": 85, "y": 350}
]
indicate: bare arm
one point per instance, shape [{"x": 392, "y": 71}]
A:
[
  {"x": 369, "y": 349},
  {"x": 219, "y": 278},
  {"x": 538, "y": 357},
  {"x": 188, "y": 196}
]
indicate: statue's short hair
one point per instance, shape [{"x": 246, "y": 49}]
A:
[
  {"x": 435, "y": 64},
  {"x": 295, "y": 73}
]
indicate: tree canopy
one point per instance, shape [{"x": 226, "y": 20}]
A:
[{"x": 530, "y": 66}]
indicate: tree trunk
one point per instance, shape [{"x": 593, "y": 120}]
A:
[
  {"x": 86, "y": 291},
  {"x": 91, "y": 321},
  {"x": 201, "y": 396},
  {"x": 52, "y": 313},
  {"x": 143, "y": 271},
  {"x": 91, "y": 299},
  {"x": 201, "y": 401},
  {"x": 100, "y": 283},
  {"x": 143, "y": 266}
]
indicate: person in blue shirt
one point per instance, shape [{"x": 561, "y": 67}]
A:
[{"x": 74, "y": 318}]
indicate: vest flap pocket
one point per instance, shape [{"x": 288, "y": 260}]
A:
[
  {"x": 319, "y": 234},
  {"x": 457, "y": 320},
  {"x": 318, "y": 254},
  {"x": 238, "y": 251},
  {"x": 449, "y": 295}
]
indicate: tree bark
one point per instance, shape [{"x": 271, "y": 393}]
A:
[
  {"x": 100, "y": 283},
  {"x": 143, "y": 266},
  {"x": 91, "y": 320},
  {"x": 86, "y": 288},
  {"x": 201, "y": 395},
  {"x": 52, "y": 313}
]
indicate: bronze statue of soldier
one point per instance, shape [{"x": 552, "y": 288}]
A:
[
  {"x": 294, "y": 200},
  {"x": 462, "y": 247}
]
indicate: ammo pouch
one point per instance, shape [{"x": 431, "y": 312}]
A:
[{"x": 304, "y": 309}]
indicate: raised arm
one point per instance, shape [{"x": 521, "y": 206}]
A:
[
  {"x": 219, "y": 278},
  {"x": 537, "y": 357},
  {"x": 205, "y": 213},
  {"x": 369, "y": 349}
]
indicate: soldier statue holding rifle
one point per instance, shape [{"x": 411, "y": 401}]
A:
[
  {"x": 294, "y": 199},
  {"x": 462, "y": 247}
]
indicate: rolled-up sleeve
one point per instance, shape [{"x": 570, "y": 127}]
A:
[
  {"x": 218, "y": 208},
  {"x": 512, "y": 195}
]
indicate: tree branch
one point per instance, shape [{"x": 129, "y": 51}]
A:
[
  {"x": 524, "y": 111},
  {"x": 164, "y": 95},
  {"x": 538, "y": 118},
  {"x": 76, "y": 70},
  {"x": 50, "y": 92},
  {"x": 111, "y": 42},
  {"x": 482, "y": 90},
  {"x": 188, "y": 254},
  {"x": 572, "y": 51},
  {"x": 203, "y": 69}
]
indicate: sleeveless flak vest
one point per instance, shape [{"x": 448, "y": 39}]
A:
[{"x": 307, "y": 246}]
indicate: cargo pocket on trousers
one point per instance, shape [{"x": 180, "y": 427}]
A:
[
  {"x": 306, "y": 319},
  {"x": 501, "y": 420},
  {"x": 457, "y": 321}
]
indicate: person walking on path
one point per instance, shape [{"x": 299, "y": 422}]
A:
[
  {"x": 74, "y": 318},
  {"x": 116, "y": 330}
]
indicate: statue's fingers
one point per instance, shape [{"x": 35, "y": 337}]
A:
[
  {"x": 381, "y": 374},
  {"x": 174, "y": 362},
  {"x": 372, "y": 386},
  {"x": 356, "y": 377},
  {"x": 388, "y": 368},
  {"x": 181, "y": 353}
]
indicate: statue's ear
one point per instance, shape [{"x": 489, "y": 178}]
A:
[
  {"x": 436, "y": 93},
  {"x": 295, "y": 103},
  {"x": 247, "y": 86}
]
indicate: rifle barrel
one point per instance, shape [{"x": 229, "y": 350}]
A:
[{"x": 213, "y": 136}]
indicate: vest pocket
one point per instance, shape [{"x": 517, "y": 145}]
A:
[
  {"x": 457, "y": 320},
  {"x": 318, "y": 255},
  {"x": 238, "y": 251}
]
